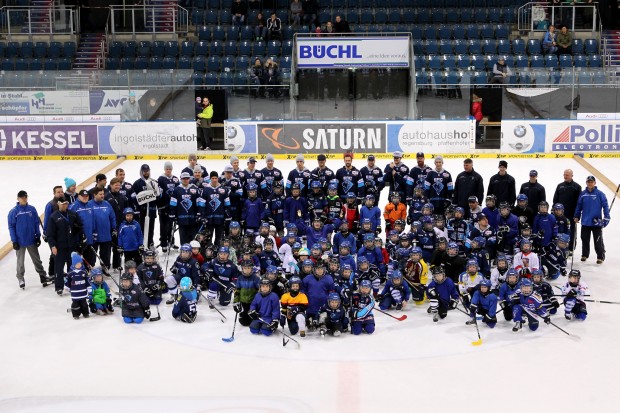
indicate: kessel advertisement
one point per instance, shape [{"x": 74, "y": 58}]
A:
[
  {"x": 312, "y": 137},
  {"x": 40, "y": 140}
]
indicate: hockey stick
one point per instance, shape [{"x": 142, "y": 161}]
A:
[
  {"x": 614, "y": 200},
  {"x": 572, "y": 336},
  {"x": 401, "y": 318},
  {"x": 285, "y": 337},
  {"x": 572, "y": 257},
  {"x": 232, "y": 337},
  {"x": 158, "y": 315},
  {"x": 479, "y": 341},
  {"x": 223, "y": 317},
  {"x": 589, "y": 300},
  {"x": 448, "y": 306}
]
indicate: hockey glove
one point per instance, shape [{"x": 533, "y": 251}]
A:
[
  {"x": 114, "y": 234},
  {"x": 242, "y": 223},
  {"x": 563, "y": 272},
  {"x": 571, "y": 294},
  {"x": 147, "y": 313},
  {"x": 141, "y": 249},
  {"x": 92, "y": 307},
  {"x": 16, "y": 246},
  {"x": 525, "y": 272},
  {"x": 148, "y": 292},
  {"x": 174, "y": 270},
  {"x": 431, "y": 293},
  {"x": 44, "y": 238},
  {"x": 108, "y": 305},
  {"x": 378, "y": 230},
  {"x": 253, "y": 314},
  {"x": 37, "y": 241},
  {"x": 409, "y": 220},
  {"x": 605, "y": 222},
  {"x": 274, "y": 325},
  {"x": 554, "y": 303},
  {"x": 237, "y": 307},
  {"x": 230, "y": 289},
  {"x": 547, "y": 320}
]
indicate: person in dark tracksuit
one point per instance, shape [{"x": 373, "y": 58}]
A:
[
  {"x": 64, "y": 235},
  {"x": 119, "y": 202},
  {"x": 589, "y": 206},
  {"x": 567, "y": 193}
]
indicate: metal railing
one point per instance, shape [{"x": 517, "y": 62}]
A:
[
  {"x": 148, "y": 19},
  {"x": 537, "y": 16},
  {"x": 39, "y": 20}
]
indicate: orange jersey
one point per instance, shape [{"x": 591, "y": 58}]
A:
[
  {"x": 394, "y": 212},
  {"x": 288, "y": 300}
]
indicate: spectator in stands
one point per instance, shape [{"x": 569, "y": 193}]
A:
[
  {"x": 500, "y": 71},
  {"x": 130, "y": 111},
  {"x": 565, "y": 41},
  {"x": 239, "y": 11},
  {"x": 260, "y": 27},
  {"x": 341, "y": 25},
  {"x": 476, "y": 112},
  {"x": 274, "y": 27},
  {"x": 550, "y": 44},
  {"x": 328, "y": 29},
  {"x": 296, "y": 13},
  {"x": 271, "y": 76},
  {"x": 256, "y": 78},
  {"x": 310, "y": 8},
  {"x": 205, "y": 124}
]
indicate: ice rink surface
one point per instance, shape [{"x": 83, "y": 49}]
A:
[{"x": 51, "y": 362}]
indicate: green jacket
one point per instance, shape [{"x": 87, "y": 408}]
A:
[
  {"x": 205, "y": 116},
  {"x": 564, "y": 40}
]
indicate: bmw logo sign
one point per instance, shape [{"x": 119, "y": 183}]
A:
[
  {"x": 520, "y": 131},
  {"x": 232, "y": 132}
]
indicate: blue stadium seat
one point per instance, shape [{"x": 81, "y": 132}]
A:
[
  {"x": 418, "y": 46},
  {"x": 144, "y": 49},
  {"x": 187, "y": 48},
  {"x": 509, "y": 59},
  {"x": 580, "y": 60},
  {"x": 437, "y": 15},
  {"x": 480, "y": 15},
  {"x": 452, "y": 16},
  {"x": 434, "y": 62},
  {"x": 158, "y": 48},
  {"x": 226, "y": 78},
  {"x": 463, "y": 61},
  {"x": 487, "y": 31},
  {"x": 214, "y": 64},
  {"x": 40, "y": 50},
  {"x": 577, "y": 47},
  {"x": 420, "y": 62},
  {"x": 502, "y": 31},
  {"x": 584, "y": 77},
  {"x": 537, "y": 61},
  {"x": 533, "y": 47},
  {"x": 366, "y": 16},
  {"x": 216, "y": 48},
  {"x": 64, "y": 63},
  {"x": 204, "y": 33},
  {"x": 274, "y": 47},
  {"x": 219, "y": 33},
  {"x": 599, "y": 77},
  {"x": 228, "y": 62},
  {"x": 230, "y": 48},
  {"x": 246, "y": 33},
  {"x": 198, "y": 78},
  {"x": 566, "y": 61},
  {"x": 198, "y": 17},
  {"x": 127, "y": 63},
  {"x": 287, "y": 48},
  {"x": 480, "y": 79},
  {"x": 156, "y": 62},
  {"x": 521, "y": 61},
  {"x": 21, "y": 64},
  {"x": 459, "y": 32},
  {"x": 111, "y": 63},
  {"x": 503, "y": 46},
  {"x": 446, "y": 47},
  {"x": 472, "y": 31},
  {"x": 381, "y": 16},
  {"x": 424, "y": 16},
  {"x": 288, "y": 32},
  {"x": 55, "y": 50},
  {"x": 430, "y": 32},
  {"x": 185, "y": 62},
  {"x": 171, "y": 49},
  {"x": 594, "y": 60},
  {"x": 490, "y": 60},
  {"x": 199, "y": 63},
  {"x": 518, "y": 46},
  {"x": 478, "y": 61},
  {"x": 242, "y": 63},
  {"x": 245, "y": 48},
  {"x": 282, "y": 14},
  {"x": 114, "y": 50},
  {"x": 408, "y": 16},
  {"x": 352, "y": 16},
  {"x": 232, "y": 33},
  {"x": 212, "y": 17},
  {"x": 474, "y": 46},
  {"x": 421, "y": 79},
  {"x": 445, "y": 32},
  {"x": 201, "y": 49},
  {"x": 141, "y": 62},
  {"x": 26, "y": 50},
  {"x": 129, "y": 48},
  {"x": 591, "y": 46},
  {"x": 467, "y": 15},
  {"x": 494, "y": 15},
  {"x": 260, "y": 47},
  {"x": 394, "y": 16},
  {"x": 12, "y": 49},
  {"x": 449, "y": 61},
  {"x": 169, "y": 63},
  {"x": 336, "y": 4},
  {"x": 252, "y": 16},
  {"x": 52, "y": 64},
  {"x": 460, "y": 46},
  {"x": 431, "y": 46},
  {"x": 489, "y": 46},
  {"x": 438, "y": 79}
]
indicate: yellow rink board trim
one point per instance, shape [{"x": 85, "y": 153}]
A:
[{"x": 8, "y": 247}]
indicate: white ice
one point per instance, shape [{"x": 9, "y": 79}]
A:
[{"x": 50, "y": 362}]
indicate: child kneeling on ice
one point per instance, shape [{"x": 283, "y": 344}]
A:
[
  {"x": 361, "y": 309},
  {"x": 185, "y": 305},
  {"x": 135, "y": 303},
  {"x": 264, "y": 310},
  {"x": 99, "y": 300}
]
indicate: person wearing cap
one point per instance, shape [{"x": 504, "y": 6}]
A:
[
  {"x": 567, "y": 193},
  {"x": 589, "y": 206},
  {"x": 502, "y": 185},
  {"x": 235, "y": 193},
  {"x": 130, "y": 111},
  {"x": 349, "y": 179},
  {"x": 322, "y": 173},
  {"x": 534, "y": 191},
  {"x": 501, "y": 71},
  {"x": 252, "y": 176},
  {"x": 372, "y": 177},
  {"x": 192, "y": 161},
  {"x": 50, "y": 208},
  {"x": 64, "y": 235},
  {"x": 145, "y": 182},
  {"x": 300, "y": 176},
  {"x": 125, "y": 185},
  {"x": 473, "y": 209},
  {"x": 70, "y": 192},
  {"x": 167, "y": 182},
  {"x": 119, "y": 202},
  {"x": 439, "y": 187},
  {"x": 84, "y": 209},
  {"x": 270, "y": 175},
  {"x": 417, "y": 175},
  {"x": 205, "y": 141},
  {"x": 26, "y": 236},
  {"x": 467, "y": 184},
  {"x": 396, "y": 174},
  {"x": 100, "y": 182},
  {"x": 184, "y": 208},
  {"x": 213, "y": 211},
  {"x": 104, "y": 227}
]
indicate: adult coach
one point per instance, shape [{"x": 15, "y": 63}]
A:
[
  {"x": 468, "y": 183},
  {"x": 502, "y": 185},
  {"x": 567, "y": 193},
  {"x": 589, "y": 206},
  {"x": 26, "y": 236}
]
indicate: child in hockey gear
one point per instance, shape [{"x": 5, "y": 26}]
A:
[
  {"x": 151, "y": 277},
  {"x": 278, "y": 283},
  {"x": 574, "y": 291},
  {"x": 186, "y": 304},
  {"x": 442, "y": 294},
  {"x": 507, "y": 229},
  {"x": 563, "y": 223},
  {"x": 253, "y": 209},
  {"x": 480, "y": 254},
  {"x": 395, "y": 294},
  {"x": 316, "y": 252},
  {"x": 427, "y": 238},
  {"x": 544, "y": 226},
  {"x": 371, "y": 212},
  {"x": 77, "y": 282},
  {"x": 135, "y": 303},
  {"x": 333, "y": 265},
  {"x": 416, "y": 204},
  {"x": 365, "y": 230},
  {"x": 351, "y": 212},
  {"x": 546, "y": 292},
  {"x": 453, "y": 262},
  {"x": 484, "y": 230},
  {"x": 316, "y": 286},
  {"x": 247, "y": 287},
  {"x": 362, "y": 304},
  {"x": 524, "y": 213},
  {"x": 306, "y": 267},
  {"x": 234, "y": 230},
  {"x": 449, "y": 213},
  {"x": 99, "y": 300},
  {"x": 529, "y": 303},
  {"x": 439, "y": 222},
  {"x": 326, "y": 247},
  {"x": 399, "y": 225},
  {"x": 474, "y": 208},
  {"x": 335, "y": 206},
  {"x": 393, "y": 211},
  {"x": 316, "y": 200},
  {"x": 286, "y": 252},
  {"x": 458, "y": 228},
  {"x": 392, "y": 243},
  {"x": 317, "y": 230},
  {"x": 222, "y": 274},
  {"x": 483, "y": 302},
  {"x": 184, "y": 266},
  {"x": 342, "y": 283},
  {"x": 268, "y": 257},
  {"x": 130, "y": 237},
  {"x": 525, "y": 234},
  {"x": 554, "y": 261},
  {"x": 438, "y": 253},
  {"x": 264, "y": 310},
  {"x": 373, "y": 254},
  {"x": 293, "y": 308},
  {"x": 195, "y": 245},
  {"x": 333, "y": 317},
  {"x": 416, "y": 275},
  {"x": 366, "y": 271},
  {"x": 469, "y": 281},
  {"x": 498, "y": 273},
  {"x": 526, "y": 261},
  {"x": 344, "y": 236},
  {"x": 490, "y": 210},
  {"x": 507, "y": 291},
  {"x": 345, "y": 255},
  {"x": 273, "y": 233},
  {"x": 275, "y": 205}
]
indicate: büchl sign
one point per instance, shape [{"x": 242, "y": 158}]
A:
[{"x": 325, "y": 52}]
